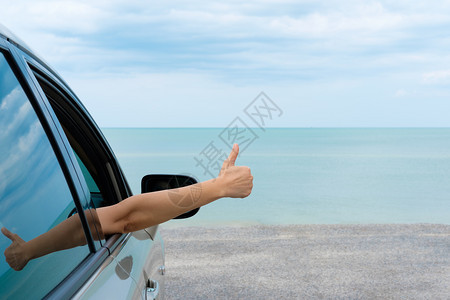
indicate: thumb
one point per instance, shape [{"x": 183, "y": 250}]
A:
[
  {"x": 233, "y": 155},
  {"x": 231, "y": 158},
  {"x": 8, "y": 234}
]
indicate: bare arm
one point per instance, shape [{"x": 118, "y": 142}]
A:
[
  {"x": 67, "y": 234},
  {"x": 148, "y": 209}
]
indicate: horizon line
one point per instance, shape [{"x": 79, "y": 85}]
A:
[{"x": 287, "y": 127}]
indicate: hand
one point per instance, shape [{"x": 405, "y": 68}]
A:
[
  {"x": 15, "y": 254},
  {"x": 237, "y": 181}
]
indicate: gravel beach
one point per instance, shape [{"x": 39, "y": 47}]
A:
[{"x": 308, "y": 262}]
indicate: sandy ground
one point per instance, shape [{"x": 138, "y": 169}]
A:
[{"x": 308, "y": 262}]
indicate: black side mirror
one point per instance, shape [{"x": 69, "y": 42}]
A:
[{"x": 158, "y": 182}]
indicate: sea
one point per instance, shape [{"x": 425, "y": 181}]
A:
[{"x": 302, "y": 175}]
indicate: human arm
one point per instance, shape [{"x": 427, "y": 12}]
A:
[
  {"x": 67, "y": 234},
  {"x": 148, "y": 209}
]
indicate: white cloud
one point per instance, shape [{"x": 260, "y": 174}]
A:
[
  {"x": 16, "y": 115},
  {"x": 92, "y": 34},
  {"x": 20, "y": 152},
  {"x": 437, "y": 77},
  {"x": 253, "y": 44},
  {"x": 69, "y": 16},
  {"x": 9, "y": 99}
]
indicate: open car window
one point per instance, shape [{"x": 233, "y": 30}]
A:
[{"x": 92, "y": 160}]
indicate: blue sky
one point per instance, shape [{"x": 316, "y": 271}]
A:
[{"x": 142, "y": 63}]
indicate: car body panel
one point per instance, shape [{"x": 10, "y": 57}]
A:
[
  {"x": 106, "y": 283},
  {"x": 136, "y": 259}
]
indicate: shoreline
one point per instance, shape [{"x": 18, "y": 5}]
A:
[{"x": 349, "y": 261}]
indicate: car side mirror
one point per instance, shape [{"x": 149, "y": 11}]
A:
[{"x": 158, "y": 182}]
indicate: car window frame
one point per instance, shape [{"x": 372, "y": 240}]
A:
[
  {"x": 29, "y": 64},
  {"x": 115, "y": 171},
  {"x": 37, "y": 69},
  {"x": 16, "y": 59},
  {"x": 53, "y": 134},
  {"x": 86, "y": 136}
]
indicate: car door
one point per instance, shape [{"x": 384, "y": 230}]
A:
[
  {"x": 37, "y": 194},
  {"x": 135, "y": 265}
]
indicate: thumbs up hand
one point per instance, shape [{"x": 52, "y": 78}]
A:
[
  {"x": 237, "y": 181},
  {"x": 15, "y": 254}
]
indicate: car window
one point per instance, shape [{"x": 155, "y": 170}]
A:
[
  {"x": 91, "y": 158},
  {"x": 34, "y": 194}
]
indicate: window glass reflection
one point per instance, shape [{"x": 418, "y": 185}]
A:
[{"x": 34, "y": 196}]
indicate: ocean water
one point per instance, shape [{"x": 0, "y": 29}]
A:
[{"x": 305, "y": 176}]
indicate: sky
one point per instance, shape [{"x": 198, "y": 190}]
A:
[{"x": 146, "y": 63}]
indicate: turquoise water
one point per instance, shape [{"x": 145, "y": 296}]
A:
[{"x": 307, "y": 176}]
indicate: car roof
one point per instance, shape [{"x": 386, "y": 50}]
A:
[
  {"x": 14, "y": 39},
  {"x": 7, "y": 34}
]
